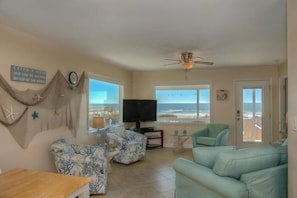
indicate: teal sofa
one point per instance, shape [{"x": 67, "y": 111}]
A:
[
  {"x": 225, "y": 172},
  {"x": 214, "y": 134}
]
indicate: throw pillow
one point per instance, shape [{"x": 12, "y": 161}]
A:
[
  {"x": 206, "y": 155},
  {"x": 235, "y": 163}
]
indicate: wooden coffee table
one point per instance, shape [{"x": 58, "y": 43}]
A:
[{"x": 30, "y": 183}]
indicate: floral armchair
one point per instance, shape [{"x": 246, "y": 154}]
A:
[
  {"x": 131, "y": 145},
  {"x": 82, "y": 160}
]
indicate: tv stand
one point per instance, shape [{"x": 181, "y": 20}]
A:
[
  {"x": 154, "y": 137},
  {"x": 137, "y": 125},
  {"x": 144, "y": 129}
]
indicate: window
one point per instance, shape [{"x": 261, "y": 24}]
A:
[
  {"x": 105, "y": 99},
  {"x": 183, "y": 103}
]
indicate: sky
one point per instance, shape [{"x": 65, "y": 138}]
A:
[
  {"x": 103, "y": 92},
  {"x": 248, "y": 95},
  {"x": 182, "y": 96}
]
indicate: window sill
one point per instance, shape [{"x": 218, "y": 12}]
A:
[{"x": 182, "y": 123}]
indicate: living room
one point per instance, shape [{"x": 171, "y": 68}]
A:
[{"x": 22, "y": 49}]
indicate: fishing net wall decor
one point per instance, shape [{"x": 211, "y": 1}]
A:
[{"x": 26, "y": 113}]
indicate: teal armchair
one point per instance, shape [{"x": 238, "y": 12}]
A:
[{"x": 212, "y": 135}]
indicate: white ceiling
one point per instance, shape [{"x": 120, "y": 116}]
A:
[{"x": 140, "y": 35}]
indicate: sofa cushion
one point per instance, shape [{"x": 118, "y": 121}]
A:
[
  {"x": 206, "y": 155},
  {"x": 235, "y": 163},
  {"x": 208, "y": 141},
  {"x": 283, "y": 154},
  {"x": 270, "y": 182}
]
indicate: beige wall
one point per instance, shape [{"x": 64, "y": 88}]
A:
[
  {"x": 20, "y": 49},
  {"x": 283, "y": 70},
  {"x": 23, "y": 50},
  {"x": 292, "y": 113},
  {"x": 221, "y": 78}
]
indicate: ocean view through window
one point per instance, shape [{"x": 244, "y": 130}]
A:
[
  {"x": 183, "y": 103},
  {"x": 104, "y": 101}
]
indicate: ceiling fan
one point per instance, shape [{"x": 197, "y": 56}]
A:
[{"x": 187, "y": 61}]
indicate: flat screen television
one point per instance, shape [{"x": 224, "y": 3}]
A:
[{"x": 135, "y": 110}]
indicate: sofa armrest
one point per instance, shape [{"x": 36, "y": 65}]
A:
[
  {"x": 270, "y": 181},
  {"x": 222, "y": 137},
  {"x": 203, "y": 176}
]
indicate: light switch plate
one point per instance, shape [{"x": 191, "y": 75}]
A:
[{"x": 294, "y": 124}]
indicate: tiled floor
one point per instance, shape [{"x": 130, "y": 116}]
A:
[{"x": 152, "y": 177}]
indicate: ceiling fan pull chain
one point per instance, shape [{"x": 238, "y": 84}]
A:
[{"x": 186, "y": 74}]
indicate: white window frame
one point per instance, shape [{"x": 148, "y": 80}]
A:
[
  {"x": 108, "y": 80},
  {"x": 179, "y": 85}
]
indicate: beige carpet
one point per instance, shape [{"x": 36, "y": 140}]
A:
[{"x": 152, "y": 177}]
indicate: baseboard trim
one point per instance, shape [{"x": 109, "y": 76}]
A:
[{"x": 170, "y": 145}]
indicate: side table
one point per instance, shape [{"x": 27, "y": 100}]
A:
[
  {"x": 178, "y": 145},
  {"x": 110, "y": 155}
]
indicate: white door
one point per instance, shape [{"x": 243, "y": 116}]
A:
[{"x": 253, "y": 113}]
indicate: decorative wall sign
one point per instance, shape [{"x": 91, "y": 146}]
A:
[
  {"x": 24, "y": 74},
  {"x": 222, "y": 94}
]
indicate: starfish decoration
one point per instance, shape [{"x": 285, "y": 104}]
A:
[
  {"x": 35, "y": 115},
  {"x": 57, "y": 112},
  {"x": 37, "y": 97},
  {"x": 10, "y": 113}
]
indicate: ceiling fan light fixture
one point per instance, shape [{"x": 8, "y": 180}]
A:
[
  {"x": 187, "y": 60},
  {"x": 187, "y": 65}
]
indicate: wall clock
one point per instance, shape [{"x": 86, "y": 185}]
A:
[{"x": 73, "y": 78}]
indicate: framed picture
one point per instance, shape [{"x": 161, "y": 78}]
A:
[{"x": 222, "y": 94}]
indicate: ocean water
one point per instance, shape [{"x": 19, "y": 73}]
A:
[
  {"x": 114, "y": 106},
  {"x": 183, "y": 108},
  {"x": 188, "y": 108}
]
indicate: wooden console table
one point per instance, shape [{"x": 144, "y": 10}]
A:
[{"x": 29, "y": 183}]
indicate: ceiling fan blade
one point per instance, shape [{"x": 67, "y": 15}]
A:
[
  {"x": 172, "y": 59},
  {"x": 177, "y": 63},
  {"x": 197, "y": 57},
  {"x": 204, "y": 62}
]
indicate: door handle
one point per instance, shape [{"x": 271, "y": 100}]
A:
[{"x": 238, "y": 114}]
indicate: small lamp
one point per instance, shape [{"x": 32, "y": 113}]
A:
[{"x": 98, "y": 122}]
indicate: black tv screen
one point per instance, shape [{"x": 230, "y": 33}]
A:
[{"x": 135, "y": 110}]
